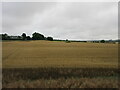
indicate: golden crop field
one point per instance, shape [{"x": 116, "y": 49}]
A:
[
  {"x": 56, "y": 64},
  {"x": 26, "y": 54}
]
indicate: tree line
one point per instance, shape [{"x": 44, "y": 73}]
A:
[
  {"x": 35, "y": 36},
  {"x": 38, "y": 36}
]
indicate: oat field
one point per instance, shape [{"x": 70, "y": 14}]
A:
[{"x": 46, "y": 64}]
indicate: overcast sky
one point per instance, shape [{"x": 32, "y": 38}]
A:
[{"x": 62, "y": 20}]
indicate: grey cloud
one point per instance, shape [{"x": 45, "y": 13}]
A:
[
  {"x": 0, "y": 17},
  {"x": 24, "y": 9},
  {"x": 72, "y": 20}
]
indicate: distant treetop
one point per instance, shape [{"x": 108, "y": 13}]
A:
[{"x": 35, "y": 36}]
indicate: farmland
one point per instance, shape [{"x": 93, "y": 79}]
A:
[
  {"x": 58, "y": 54},
  {"x": 30, "y": 63}
]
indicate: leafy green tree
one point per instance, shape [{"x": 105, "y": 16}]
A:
[
  {"x": 28, "y": 38},
  {"x": 67, "y": 41},
  {"x": 5, "y": 37},
  {"x": 24, "y": 36},
  {"x": 50, "y": 38},
  {"x": 19, "y": 37},
  {"x": 38, "y": 36},
  {"x": 102, "y": 41}
]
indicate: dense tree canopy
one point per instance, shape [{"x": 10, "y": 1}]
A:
[
  {"x": 38, "y": 36},
  {"x": 24, "y": 36},
  {"x": 5, "y": 37},
  {"x": 28, "y": 38},
  {"x": 102, "y": 41},
  {"x": 50, "y": 38},
  {"x": 35, "y": 36}
]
